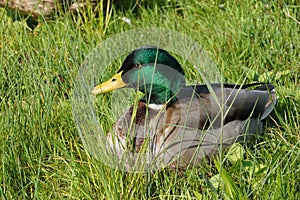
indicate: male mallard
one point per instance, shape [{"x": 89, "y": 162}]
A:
[{"x": 178, "y": 125}]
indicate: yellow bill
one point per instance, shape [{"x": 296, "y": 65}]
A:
[{"x": 114, "y": 83}]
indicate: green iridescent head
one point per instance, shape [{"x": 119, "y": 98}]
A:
[{"x": 150, "y": 70}]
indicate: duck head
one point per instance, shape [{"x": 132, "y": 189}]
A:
[{"x": 150, "y": 70}]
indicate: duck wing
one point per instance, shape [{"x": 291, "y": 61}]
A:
[{"x": 223, "y": 103}]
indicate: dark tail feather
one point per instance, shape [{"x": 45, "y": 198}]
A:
[
  {"x": 265, "y": 87},
  {"x": 261, "y": 86}
]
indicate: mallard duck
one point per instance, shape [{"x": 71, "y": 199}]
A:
[{"x": 175, "y": 124}]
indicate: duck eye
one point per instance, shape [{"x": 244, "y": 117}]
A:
[
  {"x": 137, "y": 65},
  {"x": 113, "y": 79}
]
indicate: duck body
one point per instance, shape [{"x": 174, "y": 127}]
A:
[{"x": 192, "y": 123}]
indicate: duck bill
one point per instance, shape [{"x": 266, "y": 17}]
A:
[{"x": 114, "y": 83}]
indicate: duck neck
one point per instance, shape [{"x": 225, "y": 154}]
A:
[{"x": 160, "y": 86}]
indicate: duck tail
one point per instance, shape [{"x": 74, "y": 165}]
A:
[{"x": 271, "y": 101}]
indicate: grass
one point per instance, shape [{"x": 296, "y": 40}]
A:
[{"x": 42, "y": 156}]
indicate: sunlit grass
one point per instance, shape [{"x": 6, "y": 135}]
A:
[{"x": 42, "y": 155}]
